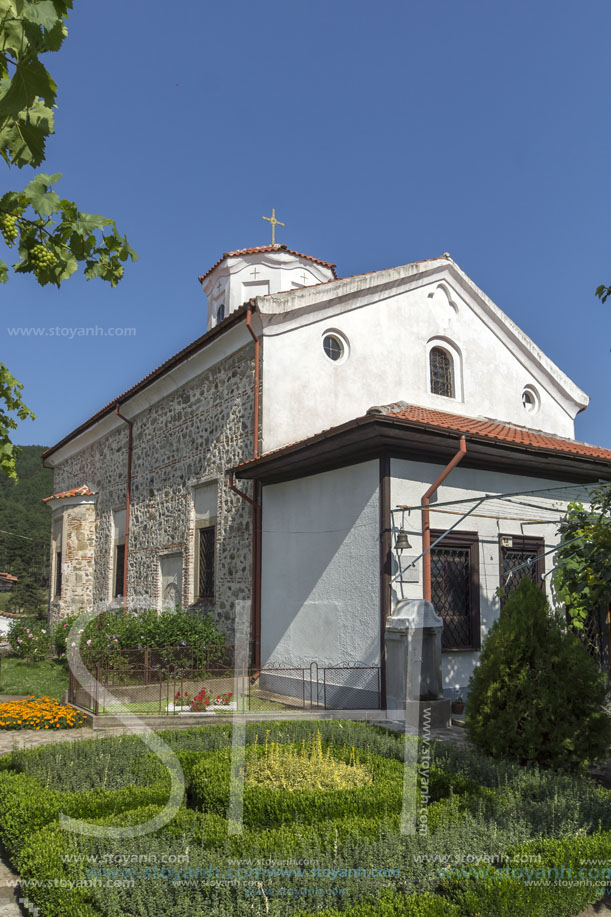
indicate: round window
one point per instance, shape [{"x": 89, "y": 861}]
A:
[
  {"x": 333, "y": 347},
  {"x": 530, "y": 400}
]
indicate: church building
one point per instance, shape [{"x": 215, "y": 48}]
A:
[{"x": 327, "y": 447}]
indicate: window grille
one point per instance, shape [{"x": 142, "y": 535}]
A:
[
  {"x": 58, "y": 574},
  {"x": 455, "y": 589},
  {"x": 442, "y": 377},
  {"x": 206, "y": 562},
  {"x": 521, "y": 551},
  {"x": 119, "y": 570}
]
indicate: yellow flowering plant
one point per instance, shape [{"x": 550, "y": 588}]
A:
[{"x": 39, "y": 713}]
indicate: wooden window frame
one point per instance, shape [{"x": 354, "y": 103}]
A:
[
  {"x": 466, "y": 540},
  {"x": 451, "y": 374}
]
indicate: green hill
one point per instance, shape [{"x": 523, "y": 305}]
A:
[{"x": 22, "y": 513}]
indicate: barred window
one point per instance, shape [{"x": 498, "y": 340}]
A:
[
  {"x": 206, "y": 562},
  {"x": 455, "y": 589},
  {"x": 58, "y": 574},
  {"x": 119, "y": 570},
  {"x": 516, "y": 550},
  {"x": 442, "y": 372}
]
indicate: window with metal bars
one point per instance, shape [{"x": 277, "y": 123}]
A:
[
  {"x": 442, "y": 372},
  {"x": 206, "y": 562},
  {"x": 455, "y": 589},
  {"x": 119, "y": 570},
  {"x": 58, "y": 574},
  {"x": 521, "y": 550}
]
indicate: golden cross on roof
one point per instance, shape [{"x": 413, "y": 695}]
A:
[{"x": 274, "y": 223}]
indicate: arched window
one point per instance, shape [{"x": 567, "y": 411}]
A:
[
  {"x": 442, "y": 372},
  {"x": 220, "y": 313}
]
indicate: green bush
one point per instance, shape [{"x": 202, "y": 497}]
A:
[
  {"x": 60, "y": 635},
  {"x": 390, "y": 904},
  {"x": 504, "y": 812},
  {"x": 52, "y": 855},
  {"x": 29, "y": 639},
  {"x": 26, "y": 806},
  {"x": 542, "y": 878},
  {"x": 106, "y": 637},
  {"x": 536, "y": 695}
]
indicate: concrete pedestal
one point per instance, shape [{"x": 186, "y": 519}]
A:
[{"x": 413, "y": 665}]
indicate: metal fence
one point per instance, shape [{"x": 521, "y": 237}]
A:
[{"x": 181, "y": 681}]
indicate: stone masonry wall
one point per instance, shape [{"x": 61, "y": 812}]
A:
[
  {"x": 78, "y": 548},
  {"x": 192, "y": 435}
]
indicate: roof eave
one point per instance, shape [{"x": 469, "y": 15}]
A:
[
  {"x": 383, "y": 435},
  {"x": 233, "y": 319}
]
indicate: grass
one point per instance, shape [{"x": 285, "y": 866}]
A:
[
  {"x": 154, "y": 708},
  {"x": 44, "y": 678}
]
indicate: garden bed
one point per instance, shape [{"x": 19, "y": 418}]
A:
[{"x": 334, "y": 846}]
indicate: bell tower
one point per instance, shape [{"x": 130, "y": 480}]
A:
[{"x": 240, "y": 275}]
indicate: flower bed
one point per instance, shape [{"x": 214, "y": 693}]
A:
[
  {"x": 39, "y": 713},
  {"x": 203, "y": 702},
  {"x": 488, "y": 824}
]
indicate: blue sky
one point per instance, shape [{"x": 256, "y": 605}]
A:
[{"x": 382, "y": 133}]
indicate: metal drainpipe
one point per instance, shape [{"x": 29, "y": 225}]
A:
[
  {"x": 256, "y": 547},
  {"x": 256, "y": 387},
  {"x": 51, "y": 574},
  {"x": 128, "y": 497},
  {"x": 426, "y": 518}
]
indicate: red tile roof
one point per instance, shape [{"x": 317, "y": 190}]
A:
[
  {"x": 233, "y": 318},
  {"x": 75, "y": 492},
  {"x": 443, "y": 421},
  {"x": 8, "y": 578},
  {"x": 490, "y": 429},
  {"x": 267, "y": 248}
]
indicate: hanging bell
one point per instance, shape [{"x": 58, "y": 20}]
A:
[{"x": 403, "y": 541}]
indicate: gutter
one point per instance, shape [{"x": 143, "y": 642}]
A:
[
  {"x": 233, "y": 319},
  {"x": 128, "y": 497},
  {"x": 426, "y": 517}
]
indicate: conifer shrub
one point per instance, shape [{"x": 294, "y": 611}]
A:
[{"x": 536, "y": 696}]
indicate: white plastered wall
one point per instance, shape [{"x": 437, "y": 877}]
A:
[
  {"x": 320, "y": 590},
  {"x": 389, "y": 335}
]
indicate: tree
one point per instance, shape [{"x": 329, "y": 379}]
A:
[
  {"x": 536, "y": 696},
  {"x": 582, "y": 578},
  {"x": 52, "y": 236},
  {"x": 603, "y": 292},
  {"x": 26, "y": 595}
]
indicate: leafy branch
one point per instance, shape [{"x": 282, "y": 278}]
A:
[{"x": 52, "y": 236}]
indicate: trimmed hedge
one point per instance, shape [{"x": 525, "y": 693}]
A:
[
  {"x": 492, "y": 893},
  {"x": 26, "y": 806},
  {"x": 268, "y": 807},
  {"x": 393, "y": 905},
  {"x": 463, "y": 816}
]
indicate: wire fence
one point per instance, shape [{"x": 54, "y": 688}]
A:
[{"x": 184, "y": 681}]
